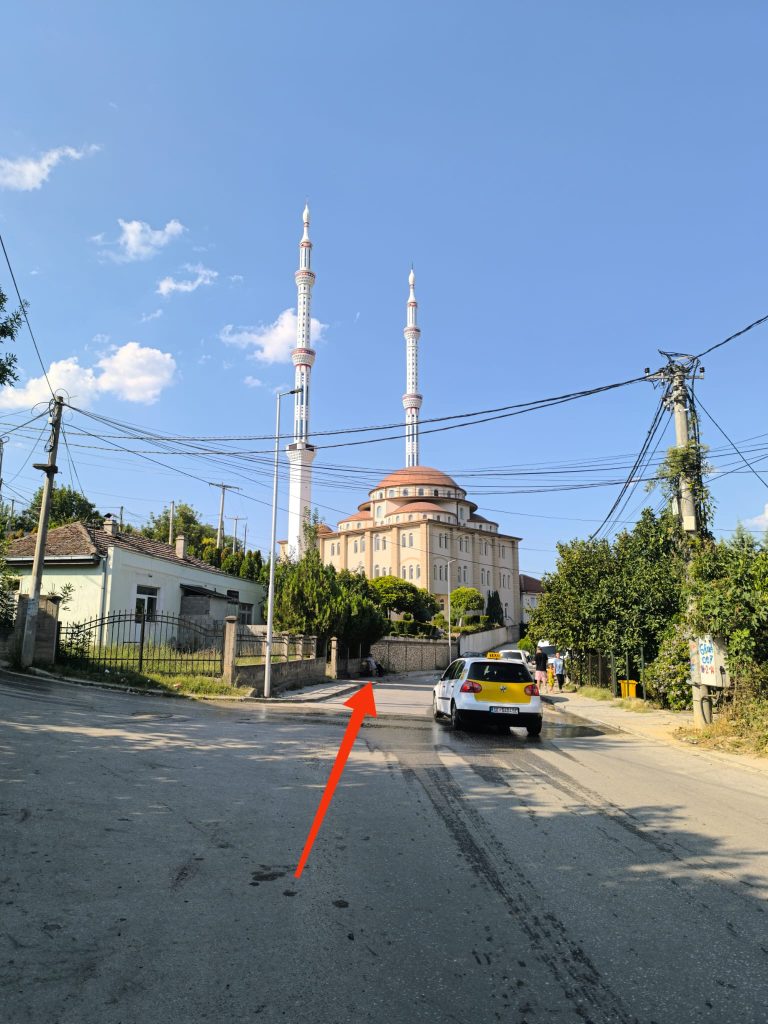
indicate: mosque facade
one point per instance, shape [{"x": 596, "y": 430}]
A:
[{"x": 417, "y": 523}]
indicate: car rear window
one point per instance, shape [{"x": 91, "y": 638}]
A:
[{"x": 499, "y": 672}]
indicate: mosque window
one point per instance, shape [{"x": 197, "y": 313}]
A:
[
  {"x": 410, "y": 540},
  {"x": 404, "y": 492},
  {"x": 362, "y": 544},
  {"x": 410, "y": 517},
  {"x": 383, "y": 543},
  {"x": 376, "y": 543},
  {"x": 465, "y": 574},
  {"x": 375, "y": 570},
  {"x": 486, "y": 548},
  {"x": 354, "y": 549},
  {"x": 391, "y": 492},
  {"x": 418, "y": 572},
  {"x": 506, "y": 610},
  {"x": 434, "y": 571},
  {"x": 379, "y": 510},
  {"x": 436, "y": 493},
  {"x": 404, "y": 573},
  {"x": 403, "y": 541},
  {"x": 410, "y": 572},
  {"x": 421, "y": 490}
]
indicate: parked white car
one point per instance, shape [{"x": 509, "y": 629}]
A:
[
  {"x": 515, "y": 654},
  {"x": 495, "y": 690}
]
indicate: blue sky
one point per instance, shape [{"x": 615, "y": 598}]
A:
[{"x": 577, "y": 185}]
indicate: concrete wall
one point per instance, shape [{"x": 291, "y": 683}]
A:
[
  {"x": 406, "y": 654},
  {"x": 286, "y": 675},
  {"x": 491, "y": 638}
]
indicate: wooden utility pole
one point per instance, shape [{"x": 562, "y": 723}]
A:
[{"x": 50, "y": 469}]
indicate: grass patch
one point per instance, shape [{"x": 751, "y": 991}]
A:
[
  {"x": 739, "y": 729},
  {"x": 595, "y": 692},
  {"x": 187, "y": 685}
]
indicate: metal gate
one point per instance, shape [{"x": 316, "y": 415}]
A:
[{"x": 157, "y": 643}]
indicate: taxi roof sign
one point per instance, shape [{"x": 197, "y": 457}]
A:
[{"x": 493, "y": 654}]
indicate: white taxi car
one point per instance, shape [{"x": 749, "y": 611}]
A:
[{"x": 488, "y": 689}]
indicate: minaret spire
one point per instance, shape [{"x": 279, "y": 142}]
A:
[
  {"x": 301, "y": 453},
  {"x": 411, "y": 399}
]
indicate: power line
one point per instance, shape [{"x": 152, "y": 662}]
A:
[
  {"x": 732, "y": 443},
  {"x": 732, "y": 337},
  {"x": 23, "y": 306}
]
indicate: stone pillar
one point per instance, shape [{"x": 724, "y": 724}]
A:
[
  {"x": 230, "y": 649},
  {"x": 332, "y": 668}
]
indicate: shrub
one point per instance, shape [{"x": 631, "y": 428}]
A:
[{"x": 667, "y": 678}]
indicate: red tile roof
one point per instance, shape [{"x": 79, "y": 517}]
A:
[
  {"x": 417, "y": 476},
  {"x": 78, "y": 540}
]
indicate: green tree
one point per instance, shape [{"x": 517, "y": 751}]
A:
[
  {"x": 306, "y": 595},
  {"x": 67, "y": 506},
  {"x": 395, "y": 594},
  {"x": 463, "y": 600},
  {"x": 494, "y": 608},
  {"x": 186, "y": 522},
  {"x": 360, "y": 618},
  {"x": 252, "y": 566},
  {"x": 10, "y": 325}
]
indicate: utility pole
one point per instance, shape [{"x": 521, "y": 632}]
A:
[
  {"x": 235, "y": 520},
  {"x": 122, "y": 509},
  {"x": 2, "y": 449},
  {"x": 220, "y": 532},
  {"x": 170, "y": 522},
  {"x": 245, "y": 536},
  {"x": 674, "y": 375},
  {"x": 50, "y": 469}
]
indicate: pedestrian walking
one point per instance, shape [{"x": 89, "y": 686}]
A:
[
  {"x": 540, "y": 660},
  {"x": 559, "y": 668}
]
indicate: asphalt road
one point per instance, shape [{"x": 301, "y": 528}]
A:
[{"x": 147, "y": 851}]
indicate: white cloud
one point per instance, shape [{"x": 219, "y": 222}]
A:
[
  {"x": 138, "y": 240},
  {"x": 272, "y": 343},
  {"x": 100, "y": 339},
  {"x": 131, "y": 372},
  {"x": 253, "y": 382},
  {"x": 202, "y": 276},
  {"x": 236, "y": 278},
  {"x": 758, "y": 522},
  {"x": 26, "y": 174},
  {"x": 151, "y": 316}
]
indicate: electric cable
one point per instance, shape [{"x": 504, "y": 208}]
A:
[{"x": 23, "y": 307}]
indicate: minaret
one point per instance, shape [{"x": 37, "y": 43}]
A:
[
  {"x": 301, "y": 453},
  {"x": 412, "y": 398}
]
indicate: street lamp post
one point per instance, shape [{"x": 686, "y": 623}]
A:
[{"x": 271, "y": 593}]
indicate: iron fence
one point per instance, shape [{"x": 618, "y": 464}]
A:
[{"x": 160, "y": 643}]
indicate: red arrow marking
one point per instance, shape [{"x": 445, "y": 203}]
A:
[{"x": 362, "y": 704}]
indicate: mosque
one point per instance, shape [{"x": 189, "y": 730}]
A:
[{"x": 416, "y": 523}]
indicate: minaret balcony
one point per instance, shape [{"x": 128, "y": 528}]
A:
[{"x": 412, "y": 401}]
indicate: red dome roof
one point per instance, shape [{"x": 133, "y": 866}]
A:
[
  {"x": 423, "y": 506},
  {"x": 416, "y": 476}
]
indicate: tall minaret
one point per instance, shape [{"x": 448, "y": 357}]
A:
[
  {"x": 301, "y": 453},
  {"x": 412, "y": 398}
]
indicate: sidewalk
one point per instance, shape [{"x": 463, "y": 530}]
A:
[{"x": 651, "y": 724}]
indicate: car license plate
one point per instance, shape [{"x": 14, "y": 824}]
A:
[{"x": 505, "y": 711}]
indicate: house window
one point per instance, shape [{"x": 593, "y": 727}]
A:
[
  {"x": 146, "y": 602},
  {"x": 245, "y": 614}
]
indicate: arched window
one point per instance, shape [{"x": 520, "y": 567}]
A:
[
  {"x": 383, "y": 543},
  {"x": 362, "y": 543},
  {"x": 436, "y": 493},
  {"x": 506, "y": 610},
  {"x": 403, "y": 541},
  {"x": 391, "y": 492},
  {"x": 375, "y": 570},
  {"x": 418, "y": 572},
  {"x": 440, "y": 572},
  {"x": 486, "y": 547},
  {"x": 410, "y": 540},
  {"x": 421, "y": 490},
  {"x": 465, "y": 574},
  {"x": 434, "y": 571},
  {"x": 404, "y": 573},
  {"x": 410, "y": 572},
  {"x": 376, "y": 543},
  {"x": 404, "y": 492},
  {"x": 354, "y": 548}
]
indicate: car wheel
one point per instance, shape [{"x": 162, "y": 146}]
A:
[
  {"x": 535, "y": 730},
  {"x": 456, "y": 719},
  {"x": 436, "y": 713}
]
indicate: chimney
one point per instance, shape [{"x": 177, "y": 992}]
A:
[
  {"x": 181, "y": 546},
  {"x": 110, "y": 526}
]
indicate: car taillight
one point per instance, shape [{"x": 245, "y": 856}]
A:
[
  {"x": 532, "y": 690},
  {"x": 471, "y": 687}
]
